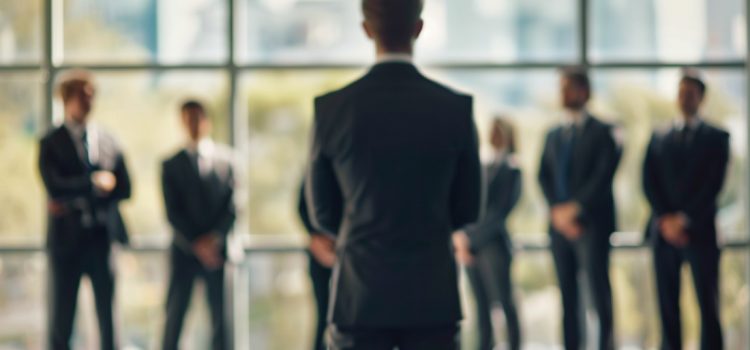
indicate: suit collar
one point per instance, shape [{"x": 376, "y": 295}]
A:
[{"x": 395, "y": 69}]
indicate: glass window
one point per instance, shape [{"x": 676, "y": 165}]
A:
[
  {"x": 20, "y": 31},
  {"x": 300, "y": 31},
  {"x": 701, "y": 30},
  {"x": 141, "y": 109},
  {"x": 277, "y": 303},
  {"x": 141, "y": 31},
  {"x": 22, "y": 301},
  {"x": 455, "y": 31},
  {"x": 22, "y": 199},
  {"x": 499, "y": 31},
  {"x": 277, "y": 110}
]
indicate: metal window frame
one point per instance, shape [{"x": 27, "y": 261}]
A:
[{"x": 49, "y": 69}]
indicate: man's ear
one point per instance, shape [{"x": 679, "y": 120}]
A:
[
  {"x": 418, "y": 28},
  {"x": 368, "y": 30}
]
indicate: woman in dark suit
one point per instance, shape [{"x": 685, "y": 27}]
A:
[{"x": 489, "y": 264}]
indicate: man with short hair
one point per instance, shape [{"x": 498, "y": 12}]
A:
[
  {"x": 198, "y": 185},
  {"x": 394, "y": 169},
  {"x": 683, "y": 174},
  {"x": 84, "y": 173},
  {"x": 576, "y": 175}
]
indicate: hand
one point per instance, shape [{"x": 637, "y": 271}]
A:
[
  {"x": 672, "y": 228},
  {"x": 207, "y": 249},
  {"x": 462, "y": 246},
  {"x": 565, "y": 220},
  {"x": 104, "y": 181},
  {"x": 323, "y": 249},
  {"x": 55, "y": 208}
]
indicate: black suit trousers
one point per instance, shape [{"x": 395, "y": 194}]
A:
[
  {"x": 92, "y": 258},
  {"x": 490, "y": 278},
  {"x": 423, "y": 338},
  {"x": 320, "y": 276},
  {"x": 584, "y": 263},
  {"x": 185, "y": 268},
  {"x": 704, "y": 263}
]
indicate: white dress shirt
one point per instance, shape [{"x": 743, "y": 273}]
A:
[{"x": 204, "y": 150}]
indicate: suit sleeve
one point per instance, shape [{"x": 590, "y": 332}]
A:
[
  {"x": 546, "y": 180},
  {"x": 123, "y": 189},
  {"x": 652, "y": 187},
  {"x": 713, "y": 181},
  {"x": 60, "y": 187},
  {"x": 229, "y": 210},
  {"x": 302, "y": 210},
  {"x": 322, "y": 190},
  {"x": 173, "y": 204},
  {"x": 466, "y": 189},
  {"x": 496, "y": 214},
  {"x": 603, "y": 174}
]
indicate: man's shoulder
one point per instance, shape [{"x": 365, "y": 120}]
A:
[
  {"x": 715, "y": 131},
  {"x": 54, "y": 133},
  {"x": 173, "y": 159},
  {"x": 347, "y": 89},
  {"x": 446, "y": 90},
  {"x": 362, "y": 85},
  {"x": 600, "y": 123}
]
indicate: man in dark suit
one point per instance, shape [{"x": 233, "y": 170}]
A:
[
  {"x": 683, "y": 174},
  {"x": 322, "y": 256},
  {"x": 198, "y": 184},
  {"x": 576, "y": 174},
  {"x": 394, "y": 170},
  {"x": 84, "y": 173}
]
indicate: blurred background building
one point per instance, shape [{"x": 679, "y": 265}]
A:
[{"x": 259, "y": 63}]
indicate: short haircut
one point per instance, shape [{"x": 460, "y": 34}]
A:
[
  {"x": 72, "y": 82},
  {"x": 193, "y": 105},
  {"x": 578, "y": 76},
  {"x": 695, "y": 80},
  {"x": 393, "y": 20}
]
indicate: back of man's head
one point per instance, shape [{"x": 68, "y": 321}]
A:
[{"x": 393, "y": 23}]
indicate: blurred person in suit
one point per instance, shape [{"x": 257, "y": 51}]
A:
[
  {"x": 394, "y": 170},
  {"x": 576, "y": 173},
  {"x": 322, "y": 257},
  {"x": 198, "y": 185},
  {"x": 85, "y": 176},
  {"x": 489, "y": 265},
  {"x": 683, "y": 174}
]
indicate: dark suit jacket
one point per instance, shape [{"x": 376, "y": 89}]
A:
[
  {"x": 595, "y": 158},
  {"x": 687, "y": 181},
  {"x": 503, "y": 185},
  {"x": 198, "y": 205},
  {"x": 304, "y": 215},
  {"x": 68, "y": 181},
  {"x": 394, "y": 170}
]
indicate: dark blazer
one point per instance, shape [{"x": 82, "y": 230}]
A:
[
  {"x": 687, "y": 180},
  {"x": 198, "y": 205},
  {"x": 595, "y": 158},
  {"x": 68, "y": 182},
  {"x": 503, "y": 185},
  {"x": 304, "y": 216},
  {"x": 394, "y": 170}
]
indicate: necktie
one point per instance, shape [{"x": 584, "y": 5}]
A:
[{"x": 565, "y": 157}]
